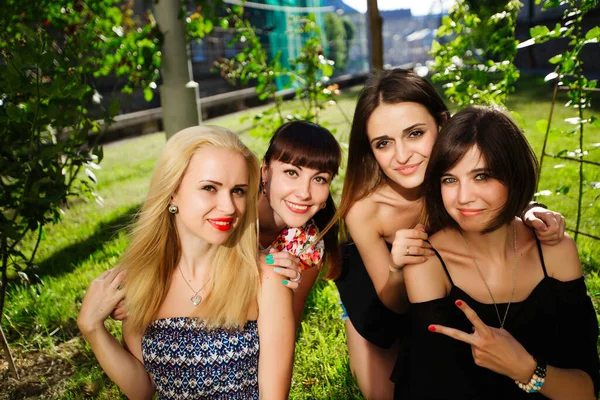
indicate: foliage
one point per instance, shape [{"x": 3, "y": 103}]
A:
[
  {"x": 568, "y": 74},
  {"x": 52, "y": 51},
  {"x": 308, "y": 74},
  {"x": 477, "y": 62},
  {"x": 335, "y": 31}
]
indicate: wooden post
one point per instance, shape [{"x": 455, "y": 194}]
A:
[
  {"x": 376, "y": 39},
  {"x": 178, "y": 93}
]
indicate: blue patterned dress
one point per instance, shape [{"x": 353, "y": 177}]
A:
[{"x": 187, "y": 361}]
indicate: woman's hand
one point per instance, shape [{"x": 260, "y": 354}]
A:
[
  {"x": 120, "y": 312},
  {"x": 410, "y": 247},
  {"x": 492, "y": 348},
  {"x": 285, "y": 264},
  {"x": 549, "y": 226},
  {"x": 102, "y": 296}
]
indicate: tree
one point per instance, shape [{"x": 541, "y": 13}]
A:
[
  {"x": 335, "y": 32},
  {"x": 52, "y": 52}
]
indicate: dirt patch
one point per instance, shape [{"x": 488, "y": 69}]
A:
[{"x": 41, "y": 373}]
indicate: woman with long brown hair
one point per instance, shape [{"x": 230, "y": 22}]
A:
[{"x": 396, "y": 122}]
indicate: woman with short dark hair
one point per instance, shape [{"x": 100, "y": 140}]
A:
[{"x": 496, "y": 314}]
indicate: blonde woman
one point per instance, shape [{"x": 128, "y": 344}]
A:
[{"x": 199, "y": 307}]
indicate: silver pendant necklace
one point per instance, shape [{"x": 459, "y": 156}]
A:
[
  {"x": 514, "y": 284},
  {"x": 196, "y": 298}
]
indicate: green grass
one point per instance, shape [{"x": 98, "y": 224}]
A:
[{"x": 91, "y": 238}]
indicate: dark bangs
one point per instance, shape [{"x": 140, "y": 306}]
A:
[
  {"x": 305, "y": 144},
  {"x": 508, "y": 156}
]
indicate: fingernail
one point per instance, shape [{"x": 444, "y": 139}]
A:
[
  {"x": 458, "y": 303},
  {"x": 431, "y": 252},
  {"x": 284, "y": 282},
  {"x": 269, "y": 257},
  {"x": 270, "y": 261},
  {"x": 431, "y": 328},
  {"x": 277, "y": 269}
]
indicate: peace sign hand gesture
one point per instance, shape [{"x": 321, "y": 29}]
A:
[{"x": 492, "y": 348}]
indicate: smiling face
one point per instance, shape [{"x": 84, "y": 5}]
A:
[
  {"x": 471, "y": 196},
  {"x": 212, "y": 195},
  {"x": 295, "y": 193},
  {"x": 401, "y": 136}
]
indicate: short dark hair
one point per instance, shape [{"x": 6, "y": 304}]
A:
[
  {"x": 507, "y": 153},
  {"x": 305, "y": 144}
]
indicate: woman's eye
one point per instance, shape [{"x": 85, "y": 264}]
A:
[
  {"x": 321, "y": 179},
  {"x": 239, "y": 191},
  {"x": 481, "y": 177},
  {"x": 210, "y": 188},
  {"x": 382, "y": 144},
  {"x": 414, "y": 134},
  {"x": 290, "y": 172},
  {"x": 448, "y": 180}
]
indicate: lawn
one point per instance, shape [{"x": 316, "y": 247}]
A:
[{"x": 40, "y": 323}]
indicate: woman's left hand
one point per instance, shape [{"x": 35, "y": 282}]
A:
[
  {"x": 549, "y": 226},
  {"x": 492, "y": 348}
]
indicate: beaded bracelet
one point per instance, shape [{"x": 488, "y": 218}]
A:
[{"x": 537, "y": 379}]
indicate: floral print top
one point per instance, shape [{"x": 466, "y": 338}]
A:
[{"x": 300, "y": 242}]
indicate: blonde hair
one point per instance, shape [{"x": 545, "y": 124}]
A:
[{"x": 155, "y": 249}]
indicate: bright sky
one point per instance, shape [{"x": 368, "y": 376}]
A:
[{"x": 417, "y": 7}]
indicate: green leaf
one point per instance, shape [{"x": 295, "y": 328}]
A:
[
  {"x": 327, "y": 69},
  {"x": 539, "y": 30},
  {"x": 556, "y": 59},
  {"x": 541, "y": 125},
  {"x": 114, "y": 108},
  {"x": 593, "y": 33},
  {"x": 80, "y": 91},
  {"x": 148, "y": 94}
]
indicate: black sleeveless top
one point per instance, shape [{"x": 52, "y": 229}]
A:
[
  {"x": 556, "y": 322},
  {"x": 369, "y": 316}
]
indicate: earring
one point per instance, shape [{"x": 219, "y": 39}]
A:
[
  {"x": 263, "y": 186},
  {"x": 173, "y": 209}
]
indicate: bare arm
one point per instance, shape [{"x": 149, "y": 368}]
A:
[
  {"x": 309, "y": 277},
  {"x": 362, "y": 224},
  {"x": 277, "y": 336},
  {"x": 122, "y": 367}
]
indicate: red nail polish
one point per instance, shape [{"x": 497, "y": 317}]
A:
[
  {"x": 431, "y": 328},
  {"x": 458, "y": 303}
]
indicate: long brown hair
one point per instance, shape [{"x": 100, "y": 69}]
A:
[
  {"x": 312, "y": 146},
  {"x": 155, "y": 248}
]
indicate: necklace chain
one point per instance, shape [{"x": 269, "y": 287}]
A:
[
  {"x": 196, "y": 298},
  {"x": 514, "y": 284}
]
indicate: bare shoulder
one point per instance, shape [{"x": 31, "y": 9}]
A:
[
  {"x": 427, "y": 281},
  {"x": 362, "y": 211},
  {"x": 562, "y": 260}
]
